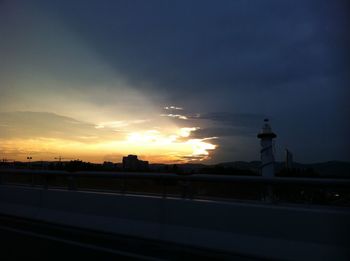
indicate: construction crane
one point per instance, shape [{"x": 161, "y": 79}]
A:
[
  {"x": 60, "y": 158},
  {"x": 4, "y": 160}
]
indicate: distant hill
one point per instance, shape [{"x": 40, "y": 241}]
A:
[
  {"x": 323, "y": 169},
  {"x": 340, "y": 169},
  {"x": 244, "y": 165},
  {"x": 332, "y": 168},
  {"x": 187, "y": 168},
  {"x": 329, "y": 169}
]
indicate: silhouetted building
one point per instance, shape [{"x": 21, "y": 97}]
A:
[
  {"x": 108, "y": 164},
  {"x": 131, "y": 162}
]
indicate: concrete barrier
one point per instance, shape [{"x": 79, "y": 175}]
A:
[{"x": 265, "y": 231}]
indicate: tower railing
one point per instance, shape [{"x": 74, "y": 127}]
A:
[{"x": 249, "y": 189}]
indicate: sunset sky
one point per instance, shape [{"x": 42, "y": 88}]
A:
[{"x": 173, "y": 81}]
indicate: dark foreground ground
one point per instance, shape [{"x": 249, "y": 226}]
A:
[{"x": 30, "y": 240}]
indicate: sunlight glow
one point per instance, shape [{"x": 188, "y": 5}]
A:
[
  {"x": 199, "y": 147},
  {"x": 152, "y": 145},
  {"x": 153, "y": 140},
  {"x": 176, "y": 116}
]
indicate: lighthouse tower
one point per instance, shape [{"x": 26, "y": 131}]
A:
[{"x": 267, "y": 156}]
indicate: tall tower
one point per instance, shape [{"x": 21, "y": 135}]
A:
[
  {"x": 266, "y": 137},
  {"x": 289, "y": 160}
]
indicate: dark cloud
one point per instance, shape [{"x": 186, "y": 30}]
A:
[
  {"x": 233, "y": 119},
  {"x": 228, "y": 64},
  {"x": 223, "y": 132},
  {"x": 226, "y": 44},
  {"x": 227, "y": 118}
]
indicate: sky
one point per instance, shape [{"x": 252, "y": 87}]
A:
[{"x": 173, "y": 81}]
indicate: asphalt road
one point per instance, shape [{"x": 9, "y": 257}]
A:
[{"x": 23, "y": 239}]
